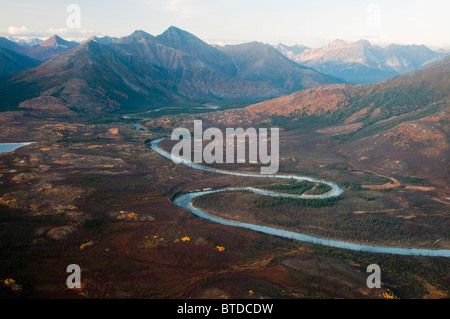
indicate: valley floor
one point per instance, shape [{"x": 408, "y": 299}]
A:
[{"x": 94, "y": 194}]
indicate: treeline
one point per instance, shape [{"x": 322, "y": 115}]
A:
[
  {"x": 295, "y": 187},
  {"x": 356, "y": 186},
  {"x": 320, "y": 189},
  {"x": 297, "y": 119},
  {"x": 266, "y": 201},
  {"x": 407, "y": 272}
]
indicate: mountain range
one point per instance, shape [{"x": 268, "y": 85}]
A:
[
  {"x": 361, "y": 62},
  {"x": 141, "y": 71},
  {"x": 28, "y": 42}
]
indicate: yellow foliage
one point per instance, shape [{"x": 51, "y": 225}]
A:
[
  {"x": 83, "y": 246},
  {"x": 9, "y": 281},
  {"x": 10, "y": 203},
  {"x": 389, "y": 294},
  {"x": 124, "y": 214},
  {"x": 220, "y": 248},
  {"x": 132, "y": 216},
  {"x": 185, "y": 238},
  {"x": 92, "y": 147}
]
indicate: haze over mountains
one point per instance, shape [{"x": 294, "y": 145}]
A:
[
  {"x": 361, "y": 62},
  {"x": 143, "y": 71},
  {"x": 26, "y": 42}
]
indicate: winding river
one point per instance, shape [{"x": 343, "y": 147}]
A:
[{"x": 186, "y": 201}]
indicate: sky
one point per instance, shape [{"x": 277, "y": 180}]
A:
[{"x": 311, "y": 23}]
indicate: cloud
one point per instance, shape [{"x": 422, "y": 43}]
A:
[
  {"x": 175, "y": 5},
  {"x": 71, "y": 34},
  {"x": 23, "y": 30},
  {"x": 61, "y": 31},
  {"x": 183, "y": 8}
]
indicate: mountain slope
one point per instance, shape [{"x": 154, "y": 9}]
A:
[
  {"x": 405, "y": 130},
  {"x": 189, "y": 44},
  {"x": 10, "y": 45},
  {"x": 290, "y": 51},
  {"x": 262, "y": 63},
  {"x": 136, "y": 36},
  {"x": 12, "y": 62},
  {"x": 395, "y": 96}
]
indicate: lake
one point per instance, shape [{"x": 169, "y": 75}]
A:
[{"x": 9, "y": 147}]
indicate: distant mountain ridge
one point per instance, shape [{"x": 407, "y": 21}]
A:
[
  {"x": 361, "y": 62},
  {"x": 41, "y": 52},
  {"x": 25, "y": 42},
  {"x": 291, "y": 51},
  {"x": 142, "y": 71}
]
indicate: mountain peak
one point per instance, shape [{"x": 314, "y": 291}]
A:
[
  {"x": 141, "y": 34},
  {"x": 364, "y": 42},
  {"x": 136, "y": 36},
  {"x": 337, "y": 44},
  {"x": 179, "y": 39},
  {"x": 57, "y": 42},
  {"x": 176, "y": 34},
  {"x": 173, "y": 28},
  {"x": 93, "y": 38},
  {"x": 53, "y": 41},
  {"x": 176, "y": 30}
]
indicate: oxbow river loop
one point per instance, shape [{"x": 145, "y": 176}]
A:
[{"x": 185, "y": 201}]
